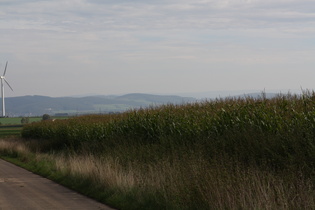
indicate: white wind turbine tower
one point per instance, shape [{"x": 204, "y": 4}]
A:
[{"x": 2, "y": 88}]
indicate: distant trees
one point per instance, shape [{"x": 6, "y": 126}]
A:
[
  {"x": 25, "y": 120},
  {"x": 46, "y": 117}
]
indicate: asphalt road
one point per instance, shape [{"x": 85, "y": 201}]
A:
[{"x": 21, "y": 189}]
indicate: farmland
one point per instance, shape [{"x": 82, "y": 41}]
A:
[
  {"x": 9, "y": 131},
  {"x": 13, "y": 126},
  {"x": 234, "y": 153},
  {"x": 17, "y": 120}
]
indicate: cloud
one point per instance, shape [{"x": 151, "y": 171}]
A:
[
  {"x": 80, "y": 15},
  {"x": 156, "y": 37}
]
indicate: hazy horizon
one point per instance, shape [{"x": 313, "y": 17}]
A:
[
  {"x": 77, "y": 47},
  {"x": 196, "y": 95}
]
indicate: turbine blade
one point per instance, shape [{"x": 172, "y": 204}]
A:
[
  {"x": 5, "y": 70},
  {"x": 8, "y": 84}
]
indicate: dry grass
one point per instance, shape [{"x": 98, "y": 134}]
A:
[
  {"x": 195, "y": 184},
  {"x": 105, "y": 172},
  {"x": 13, "y": 145},
  {"x": 188, "y": 182}
]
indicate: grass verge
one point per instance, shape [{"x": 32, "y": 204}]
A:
[{"x": 178, "y": 181}]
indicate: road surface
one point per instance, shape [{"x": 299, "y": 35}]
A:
[{"x": 21, "y": 189}]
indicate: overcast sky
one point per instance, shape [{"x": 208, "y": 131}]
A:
[{"x": 74, "y": 47}]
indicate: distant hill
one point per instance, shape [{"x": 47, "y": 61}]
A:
[{"x": 39, "y": 105}]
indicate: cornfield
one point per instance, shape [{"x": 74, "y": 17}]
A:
[
  {"x": 275, "y": 130},
  {"x": 276, "y": 136}
]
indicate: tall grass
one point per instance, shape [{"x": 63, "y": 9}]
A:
[
  {"x": 178, "y": 181},
  {"x": 227, "y": 153}
]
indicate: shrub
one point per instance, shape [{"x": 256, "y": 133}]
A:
[{"x": 46, "y": 117}]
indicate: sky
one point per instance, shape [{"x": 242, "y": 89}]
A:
[{"x": 77, "y": 47}]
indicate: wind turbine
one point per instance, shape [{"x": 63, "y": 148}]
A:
[{"x": 2, "y": 88}]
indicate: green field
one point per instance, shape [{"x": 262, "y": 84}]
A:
[
  {"x": 17, "y": 120},
  {"x": 10, "y": 131},
  {"x": 7, "y": 125},
  {"x": 11, "y": 126}
]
